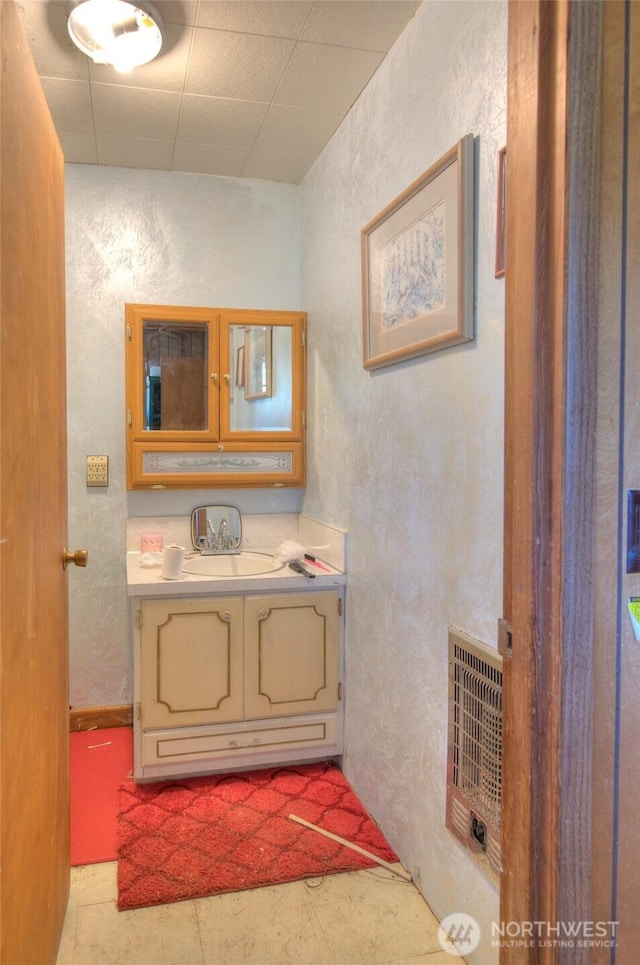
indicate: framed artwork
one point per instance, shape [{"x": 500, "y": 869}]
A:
[
  {"x": 501, "y": 213},
  {"x": 257, "y": 362},
  {"x": 418, "y": 264}
]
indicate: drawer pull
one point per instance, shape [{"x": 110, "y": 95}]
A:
[
  {"x": 262, "y": 615},
  {"x": 226, "y": 616}
]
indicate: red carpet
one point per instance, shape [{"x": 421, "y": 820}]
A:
[
  {"x": 204, "y": 836},
  {"x": 99, "y": 761}
]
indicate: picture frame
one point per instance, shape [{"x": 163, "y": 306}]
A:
[
  {"x": 257, "y": 362},
  {"x": 418, "y": 264},
  {"x": 501, "y": 214}
]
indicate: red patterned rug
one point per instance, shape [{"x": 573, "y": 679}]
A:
[{"x": 203, "y": 836}]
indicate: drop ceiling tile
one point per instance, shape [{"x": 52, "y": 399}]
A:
[
  {"x": 278, "y": 18},
  {"x": 132, "y": 152},
  {"x": 54, "y": 53},
  {"x": 177, "y": 11},
  {"x": 271, "y": 166},
  {"x": 236, "y": 65},
  {"x": 296, "y": 130},
  {"x": 325, "y": 77},
  {"x": 166, "y": 72},
  {"x": 368, "y": 24},
  {"x": 251, "y": 53},
  {"x": 216, "y": 120},
  {"x": 208, "y": 159},
  {"x": 79, "y": 148},
  {"x": 135, "y": 112},
  {"x": 69, "y": 104}
]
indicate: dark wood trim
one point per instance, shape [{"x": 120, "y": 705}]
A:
[
  {"x": 575, "y": 846},
  {"x": 92, "y": 718},
  {"x": 550, "y": 416},
  {"x": 607, "y": 474},
  {"x": 541, "y": 527}
]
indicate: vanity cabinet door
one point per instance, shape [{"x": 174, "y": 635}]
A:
[
  {"x": 291, "y": 654},
  {"x": 191, "y": 661}
]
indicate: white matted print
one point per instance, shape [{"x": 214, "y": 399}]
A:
[{"x": 417, "y": 264}]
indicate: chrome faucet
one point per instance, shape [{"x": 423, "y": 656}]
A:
[
  {"x": 220, "y": 542},
  {"x": 211, "y": 542}
]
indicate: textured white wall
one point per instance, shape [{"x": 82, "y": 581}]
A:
[
  {"x": 166, "y": 238},
  {"x": 409, "y": 459}
]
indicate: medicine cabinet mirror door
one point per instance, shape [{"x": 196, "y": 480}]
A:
[
  {"x": 172, "y": 370},
  {"x": 262, "y": 394},
  {"x": 215, "y": 397}
]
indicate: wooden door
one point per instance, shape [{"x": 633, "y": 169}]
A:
[
  {"x": 34, "y": 728},
  {"x": 291, "y": 654},
  {"x": 191, "y": 661}
]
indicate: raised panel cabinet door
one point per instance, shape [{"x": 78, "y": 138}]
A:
[
  {"x": 191, "y": 661},
  {"x": 291, "y": 654}
]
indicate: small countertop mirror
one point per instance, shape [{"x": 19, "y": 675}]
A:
[{"x": 216, "y": 529}]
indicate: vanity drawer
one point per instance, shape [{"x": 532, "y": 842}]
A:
[{"x": 254, "y": 738}]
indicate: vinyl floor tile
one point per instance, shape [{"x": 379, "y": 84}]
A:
[
  {"x": 432, "y": 958},
  {"x": 370, "y": 918},
  {"x": 92, "y": 883},
  {"x": 361, "y": 918},
  {"x": 163, "y": 935},
  {"x": 265, "y": 926}
]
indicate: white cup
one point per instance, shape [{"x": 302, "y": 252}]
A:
[{"x": 172, "y": 561}]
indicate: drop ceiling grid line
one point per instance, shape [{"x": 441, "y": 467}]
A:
[
  {"x": 93, "y": 117},
  {"x": 277, "y": 88},
  {"x": 184, "y": 84}
]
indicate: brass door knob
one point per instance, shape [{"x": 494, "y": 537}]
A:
[{"x": 79, "y": 558}]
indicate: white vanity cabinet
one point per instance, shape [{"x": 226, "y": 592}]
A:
[{"x": 236, "y": 681}]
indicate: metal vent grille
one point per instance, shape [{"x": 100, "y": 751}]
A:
[{"x": 474, "y": 767}]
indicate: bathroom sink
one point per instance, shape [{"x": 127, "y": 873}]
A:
[{"x": 238, "y": 564}]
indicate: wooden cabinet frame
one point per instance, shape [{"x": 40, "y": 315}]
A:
[{"x": 217, "y": 455}]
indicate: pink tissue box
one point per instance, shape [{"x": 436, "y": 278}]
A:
[{"x": 151, "y": 543}]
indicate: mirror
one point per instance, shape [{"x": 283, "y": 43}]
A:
[
  {"x": 175, "y": 379},
  {"x": 261, "y": 395},
  {"x": 216, "y": 529}
]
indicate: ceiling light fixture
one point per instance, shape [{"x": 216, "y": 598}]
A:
[{"x": 120, "y": 33}]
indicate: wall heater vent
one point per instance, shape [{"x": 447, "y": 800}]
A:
[{"x": 474, "y": 765}]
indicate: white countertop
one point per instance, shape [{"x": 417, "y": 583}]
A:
[{"x": 148, "y": 581}]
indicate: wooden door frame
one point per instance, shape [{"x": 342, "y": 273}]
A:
[{"x": 550, "y": 353}]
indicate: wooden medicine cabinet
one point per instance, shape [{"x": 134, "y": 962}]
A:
[{"x": 215, "y": 397}]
